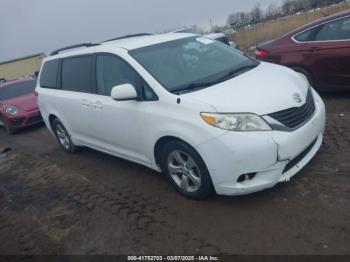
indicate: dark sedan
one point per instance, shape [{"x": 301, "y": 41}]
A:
[{"x": 320, "y": 51}]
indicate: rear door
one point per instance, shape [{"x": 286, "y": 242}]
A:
[
  {"x": 73, "y": 100},
  {"x": 328, "y": 55}
]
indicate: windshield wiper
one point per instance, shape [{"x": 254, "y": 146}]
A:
[
  {"x": 200, "y": 85},
  {"x": 194, "y": 86},
  {"x": 237, "y": 72}
]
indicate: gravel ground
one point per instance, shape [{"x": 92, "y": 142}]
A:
[{"x": 93, "y": 203}]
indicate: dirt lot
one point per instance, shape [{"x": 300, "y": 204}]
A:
[{"x": 92, "y": 203}]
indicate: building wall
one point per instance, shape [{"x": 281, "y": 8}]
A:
[{"x": 21, "y": 67}]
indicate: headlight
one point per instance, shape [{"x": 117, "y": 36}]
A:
[
  {"x": 236, "y": 122},
  {"x": 12, "y": 110}
]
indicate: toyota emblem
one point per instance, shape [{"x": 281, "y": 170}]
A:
[{"x": 297, "y": 98}]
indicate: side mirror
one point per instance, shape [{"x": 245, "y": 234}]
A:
[{"x": 124, "y": 92}]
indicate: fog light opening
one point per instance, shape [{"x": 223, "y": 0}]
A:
[{"x": 246, "y": 177}]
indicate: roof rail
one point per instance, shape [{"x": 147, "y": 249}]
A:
[
  {"x": 126, "y": 36},
  {"x": 72, "y": 47}
]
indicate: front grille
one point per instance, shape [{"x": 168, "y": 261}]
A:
[
  {"x": 17, "y": 122},
  {"x": 294, "y": 117},
  {"x": 299, "y": 157},
  {"x": 34, "y": 119}
]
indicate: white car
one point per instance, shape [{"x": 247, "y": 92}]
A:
[
  {"x": 206, "y": 115},
  {"x": 221, "y": 37}
]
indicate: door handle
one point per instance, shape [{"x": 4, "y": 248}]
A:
[
  {"x": 85, "y": 102},
  {"x": 97, "y": 105},
  {"x": 314, "y": 49}
]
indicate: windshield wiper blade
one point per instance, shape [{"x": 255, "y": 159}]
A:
[
  {"x": 194, "y": 86},
  {"x": 200, "y": 85},
  {"x": 237, "y": 71}
]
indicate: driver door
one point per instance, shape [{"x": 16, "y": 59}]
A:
[{"x": 117, "y": 124}]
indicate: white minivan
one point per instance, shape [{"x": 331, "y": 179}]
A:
[{"x": 208, "y": 116}]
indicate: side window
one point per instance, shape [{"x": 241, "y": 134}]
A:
[
  {"x": 48, "y": 77},
  {"x": 77, "y": 74},
  {"x": 148, "y": 93},
  {"x": 309, "y": 35},
  {"x": 112, "y": 71},
  {"x": 336, "y": 30}
]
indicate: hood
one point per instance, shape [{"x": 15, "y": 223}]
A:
[
  {"x": 26, "y": 103},
  {"x": 263, "y": 90}
]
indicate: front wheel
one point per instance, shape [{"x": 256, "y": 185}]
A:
[
  {"x": 186, "y": 170},
  {"x": 63, "y": 137}
]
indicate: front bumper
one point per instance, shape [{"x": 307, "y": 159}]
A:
[
  {"x": 273, "y": 156},
  {"x": 24, "y": 120}
]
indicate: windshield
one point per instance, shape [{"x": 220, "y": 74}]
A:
[
  {"x": 192, "y": 63},
  {"x": 18, "y": 89}
]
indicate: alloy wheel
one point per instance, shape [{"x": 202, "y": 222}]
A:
[
  {"x": 63, "y": 137},
  {"x": 184, "y": 171}
]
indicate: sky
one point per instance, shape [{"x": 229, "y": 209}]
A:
[{"x": 33, "y": 26}]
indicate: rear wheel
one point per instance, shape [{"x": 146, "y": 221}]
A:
[
  {"x": 9, "y": 130},
  {"x": 63, "y": 137},
  {"x": 186, "y": 170}
]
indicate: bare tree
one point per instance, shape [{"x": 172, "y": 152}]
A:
[
  {"x": 239, "y": 20},
  {"x": 273, "y": 11},
  {"x": 287, "y": 7},
  {"x": 256, "y": 13}
]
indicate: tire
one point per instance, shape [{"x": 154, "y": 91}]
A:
[
  {"x": 9, "y": 130},
  {"x": 304, "y": 73},
  {"x": 63, "y": 137},
  {"x": 186, "y": 170}
]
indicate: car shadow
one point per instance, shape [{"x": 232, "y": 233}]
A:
[{"x": 29, "y": 129}]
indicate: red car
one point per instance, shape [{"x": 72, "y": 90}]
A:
[
  {"x": 18, "y": 105},
  {"x": 319, "y": 50}
]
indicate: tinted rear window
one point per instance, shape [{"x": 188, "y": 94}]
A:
[
  {"x": 223, "y": 40},
  {"x": 307, "y": 36},
  {"x": 76, "y": 74},
  {"x": 48, "y": 78},
  {"x": 17, "y": 90}
]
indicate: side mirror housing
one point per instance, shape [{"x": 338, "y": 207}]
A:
[{"x": 124, "y": 92}]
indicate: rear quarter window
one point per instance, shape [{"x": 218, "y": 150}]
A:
[
  {"x": 48, "y": 77},
  {"x": 309, "y": 35}
]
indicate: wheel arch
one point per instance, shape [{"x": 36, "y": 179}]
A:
[
  {"x": 51, "y": 118},
  {"x": 208, "y": 186},
  {"x": 161, "y": 142}
]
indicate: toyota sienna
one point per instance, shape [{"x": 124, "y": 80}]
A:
[{"x": 208, "y": 116}]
